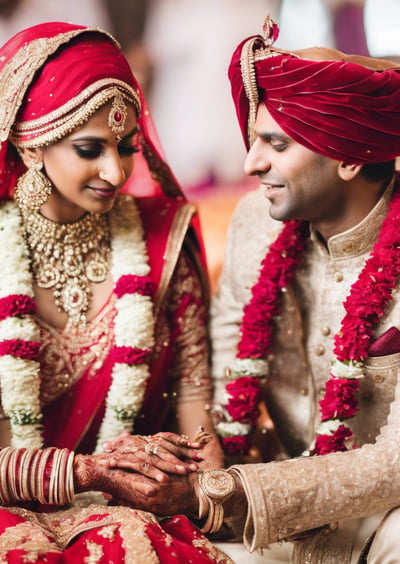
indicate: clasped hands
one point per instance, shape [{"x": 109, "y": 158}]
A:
[{"x": 156, "y": 474}]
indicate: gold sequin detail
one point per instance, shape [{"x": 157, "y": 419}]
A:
[
  {"x": 17, "y": 74},
  {"x": 74, "y": 113}
]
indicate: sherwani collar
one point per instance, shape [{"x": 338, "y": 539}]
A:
[{"x": 360, "y": 238}]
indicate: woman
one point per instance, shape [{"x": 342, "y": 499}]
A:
[{"x": 102, "y": 315}]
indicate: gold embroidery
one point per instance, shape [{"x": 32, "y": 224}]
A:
[
  {"x": 55, "y": 125},
  {"x": 17, "y": 74},
  {"x": 212, "y": 551},
  {"x": 191, "y": 350},
  {"x": 250, "y": 85},
  {"x": 175, "y": 241},
  {"x": 28, "y": 537},
  {"x": 65, "y": 526},
  {"x": 108, "y": 532},
  {"x": 95, "y": 552},
  {"x": 66, "y": 355},
  {"x": 160, "y": 171},
  {"x": 53, "y": 532}
]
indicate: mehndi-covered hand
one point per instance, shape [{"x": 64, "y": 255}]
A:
[
  {"x": 92, "y": 473},
  {"x": 168, "y": 452},
  {"x": 178, "y": 496},
  {"x": 134, "y": 482}
]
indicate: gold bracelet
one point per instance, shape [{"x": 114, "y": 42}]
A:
[
  {"x": 217, "y": 486},
  {"x": 214, "y": 519},
  {"x": 204, "y": 505}
]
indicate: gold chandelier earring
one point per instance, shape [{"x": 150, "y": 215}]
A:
[{"x": 33, "y": 188}]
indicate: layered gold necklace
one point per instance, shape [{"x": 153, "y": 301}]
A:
[
  {"x": 20, "y": 333},
  {"x": 68, "y": 258}
]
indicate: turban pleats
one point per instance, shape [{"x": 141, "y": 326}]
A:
[{"x": 339, "y": 109}]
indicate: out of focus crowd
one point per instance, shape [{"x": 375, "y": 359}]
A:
[{"x": 180, "y": 50}]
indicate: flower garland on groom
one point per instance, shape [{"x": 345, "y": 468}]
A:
[{"x": 256, "y": 75}]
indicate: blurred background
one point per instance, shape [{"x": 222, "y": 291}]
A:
[{"x": 180, "y": 51}]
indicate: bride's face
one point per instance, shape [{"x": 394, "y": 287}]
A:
[{"x": 88, "y": 167}]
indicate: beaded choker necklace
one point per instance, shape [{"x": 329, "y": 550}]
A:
[
  {"x": 69, "y": 257},
  {"x": 365, "y": 305}
]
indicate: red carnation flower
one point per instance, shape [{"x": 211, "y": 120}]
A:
[
  {"x": 245, "y": 395},
  {"x": 324, "y": 444},
  {"x": 16, "y": 304},
  {"x": 129, "y": 355},
  {"x": 20, "y": 349},
  {"x": 240, "y": 444},
  {"x": 340, "y": 399},
  {"x": 133, "y": 284}
]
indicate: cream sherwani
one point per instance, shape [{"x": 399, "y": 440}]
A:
[{"x": 340, "y": 489}]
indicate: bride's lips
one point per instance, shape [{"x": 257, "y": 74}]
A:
[{"x": 103, "y": 192}]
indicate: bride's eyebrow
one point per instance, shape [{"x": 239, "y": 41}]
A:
[
  {"x": 100, "y": 139},
  {"x": 131, "y": 133}
]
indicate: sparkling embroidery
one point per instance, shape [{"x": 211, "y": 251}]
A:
[
  {"x": 16, "y": 75},
  {"x": 95, "y": 552},
  {"x": 66, "y": 355},
  {"x": 108, "y": 532}
]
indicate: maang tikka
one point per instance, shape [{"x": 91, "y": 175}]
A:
[
  {"x": 118, "y": 114},
  {"x": 33, "y": 188}
]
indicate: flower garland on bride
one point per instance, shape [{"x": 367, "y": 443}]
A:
[
  {"x": 364, "y": 306},
  {"x": 20, "y": 338}
]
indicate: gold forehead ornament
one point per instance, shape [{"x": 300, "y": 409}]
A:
[
  {"x": 117, "y": 115},
  {"x": 253, "y": 49}
]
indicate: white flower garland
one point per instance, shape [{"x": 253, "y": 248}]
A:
[
  {"x": 134, "y": 327},
  {"x": 348, "y": 370},
  {"x": 129, "y": 256},
  {"x": 256, "y": 367}
]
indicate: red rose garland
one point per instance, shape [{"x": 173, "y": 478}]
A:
[
  {"x": 364, "y": 307},
  {"x": 277, "y": 270}
]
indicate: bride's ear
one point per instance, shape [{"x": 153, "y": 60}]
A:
[{"x": 30, "y": 155}]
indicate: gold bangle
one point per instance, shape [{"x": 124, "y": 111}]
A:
[
  {"x": 61, "y": 485},
  {"x": 69, "y": 479},
  {"x": 40, "y": 478},
  {"x": 204, "y": 505},
  {"x": 33, "y": 473},
  {"x": 214, "y": 519},
  {"x": 12, "y": 475},
  {"x": 24, "y": 470},
  {"x": 209, "y": 524},
  {"x": 217, "y": 486},
  {"x": 5, "y": 455},
  {"x": 54, "y": 479}
]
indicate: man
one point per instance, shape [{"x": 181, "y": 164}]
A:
[{"x": 307, "y": 314}]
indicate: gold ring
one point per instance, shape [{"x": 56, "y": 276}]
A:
[
  {"x": 129, "y": 449},
  {"x": 151, "y": 448}
]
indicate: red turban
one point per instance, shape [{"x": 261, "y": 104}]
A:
[{"x": 343, "y": 107}]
